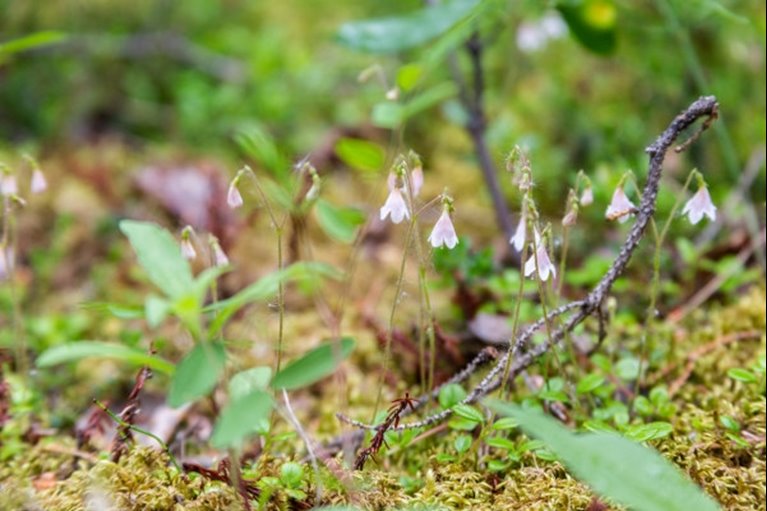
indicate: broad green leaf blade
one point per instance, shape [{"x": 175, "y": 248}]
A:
[
  {"x": 240, "y": 418},
  {"x": 339, "y": 223},
  {"x": 155, "y": 310},
  {"x": 313, "y": 366},
  {"x": 74, "y": 351},
  {"x": 635, "y": 476},
  {"x": 197, "y": 373},
  {"x": 360, "y": 154},
  {"x": 394, "y": 34},
  {"x": 593, "y": 23},
  {"x": 387, "y": 114},
  {"x": 245, "y": 382},
  {"x": 429, "y": 98},
  {"x": 160, "y": 256}
]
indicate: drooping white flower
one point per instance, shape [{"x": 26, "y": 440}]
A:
[
  {"x": 540, "y": 261},
  {"x": 395, "y": 207},
  {"x": 8, "y": 185},
  {"x": 620, "y": 206},
  {"x": 38, "y": 183},
  {"x": 443, "y": 233},
  {"x": 187, "y": 249},
  {"x": 6, "y": 263},
  {"x": 700, "y": 205},
  {"x": 416, "y": 180},
  {"x": 233, "y": 196},
  {"x": 219, "y": 256},
  {"x": 570, "y": 218},
  {"x": 587, "y": 197},
  {"x": 518, "y": 240}
]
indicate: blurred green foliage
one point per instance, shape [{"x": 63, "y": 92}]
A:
[{"x": 271, "y": 80}]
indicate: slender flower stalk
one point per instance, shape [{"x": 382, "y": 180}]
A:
[
  {"x": 620, "y": 206},
  {"x": 700, "y": 205}
]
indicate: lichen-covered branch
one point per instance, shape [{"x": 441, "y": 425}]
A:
[{"x": 705, "y": 107}]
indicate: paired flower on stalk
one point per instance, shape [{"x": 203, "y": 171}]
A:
[
  {"x": 396, "y": 205},
  {"x": 540, "y": 261},
  {"x": 700, "y": 204}
]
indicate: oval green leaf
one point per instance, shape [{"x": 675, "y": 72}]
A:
[
  {"x": 360, "y": 154},
  {"x": 339, "y": 223},
  {"x": 160, "y": 256},
  {"x": 197, "y": 373},
  {"x": 469, "y": 413},
  {"x": 241, "y": 418},
  {"x": 394, "y": 34},
  {"x": 313, "y": 366},
  {"x": 249, "y": 380}
]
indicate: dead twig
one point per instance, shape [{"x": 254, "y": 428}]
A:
[
  {"x": 704, "y": 107},
  {"x": 699, "y": 353}
]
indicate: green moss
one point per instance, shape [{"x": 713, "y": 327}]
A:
[{"x": 728, "y": 464}]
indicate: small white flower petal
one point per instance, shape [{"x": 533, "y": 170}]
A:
[
  {"x": 416, "y": 180},
  {"x": 38, "y": 184},
  {"x": 8, "y": 185},
  {"x": 219, "y": 256},
  {"x": 391, "y": 181},
  {"x": 700, "y": 205},
  {"x": 587, "y": 197},
  {"x": 541, "y": 261},
  {"x": 395, "y": 207},
  {"x": 443, "y": 232},
  {"x": 620, "y": 206},
  {"x": 187, "y": 249},
  {"x": 233, "y": 196},
  {"x": 518, "y": 240}
]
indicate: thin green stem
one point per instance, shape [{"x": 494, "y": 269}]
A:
[
  {"x": 563, "y": 261},
  {"x": 392, "y": 314},
  {"x": 515, "y": 322},
  {"x": 139, "y": 430},
  {"x": 659, "y": 238},
  {"x": 8, "y": 246}
]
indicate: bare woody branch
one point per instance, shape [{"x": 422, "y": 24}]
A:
[{"x": 705, "y": 107}]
